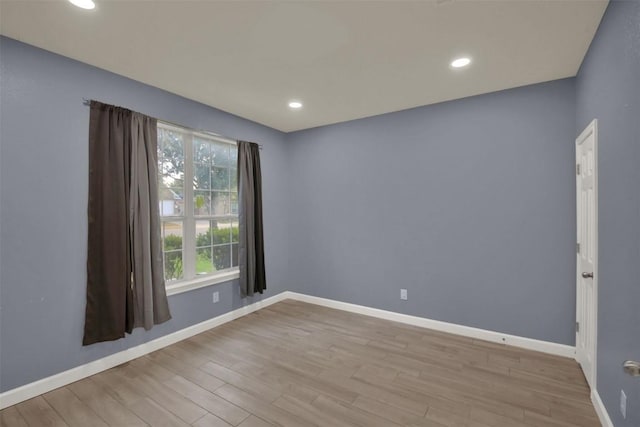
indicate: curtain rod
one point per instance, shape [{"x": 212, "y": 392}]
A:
[{"x": 87, "y": 102}]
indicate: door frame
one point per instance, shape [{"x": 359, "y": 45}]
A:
[{"x": 592, "y": 128}]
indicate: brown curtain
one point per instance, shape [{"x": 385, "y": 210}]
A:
[
  {"x": 149, "y": 295},
  {"x": 124, "y": 267},
  {"x": 251, "y": 244}
]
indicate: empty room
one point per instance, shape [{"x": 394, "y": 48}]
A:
[{"x": 320, "y": 213}]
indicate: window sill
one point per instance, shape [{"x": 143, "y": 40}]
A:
[{"x": 201, "y": 282}]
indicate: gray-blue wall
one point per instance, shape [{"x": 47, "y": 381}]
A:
[
  {"x": 467, "y": 204},
  {"x": 43, "y": 205},
  {"x": 608, "y": 88}
]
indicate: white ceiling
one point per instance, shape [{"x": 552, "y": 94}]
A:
[{"x": 343, "y": 60}]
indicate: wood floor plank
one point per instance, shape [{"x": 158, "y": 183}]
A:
[
  {"x": 73, "y": 410},
  {"x": 117, "y": 386},
  {"x": 261, "y": 409},
  {"x": 210, "y": 420},
  {"x": 195, "y": 375},
  {"x": 248, "y": 384},
  {"x": 181, "y": 352},
  {"x": 534, "y": 419},
  {"x": 294, "y": 364},
  {"x": 388, "y": 392},
  {"x": 254, "y": 421},
  {"x": 489, "y": 418},
  {"x": 37, "y": 412},
  {"x": 155, "y": 415},
  {"x": 101, "y": 402},
  {"x": 210, "y": 345},
  {"x": 437, "y": 415},
  {"x": 274, "y": 379},
  {"x": 384, "y": 410},
  {"x": 10, "y": 417},
  {"x": 216, "y": 405},
  {"x": 424, "y": 422},
  {"x": 149, "y": 368},
  {"x": 279, "y": 374},
  {"x": 351, "y": 414},
  {"x": 306, "y": 411},
  {"x": 178, "y": 405}
]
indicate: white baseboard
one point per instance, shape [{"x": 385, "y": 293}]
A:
[
  {"x": 28, "y": 391},
  {"x": 605, "y": 420},
  {"x": 467, "y": 331}
]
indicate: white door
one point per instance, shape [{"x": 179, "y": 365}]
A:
[{"x": 587, "y": 251}]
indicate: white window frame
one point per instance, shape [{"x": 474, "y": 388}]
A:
[{"x": 192, "y": 281}]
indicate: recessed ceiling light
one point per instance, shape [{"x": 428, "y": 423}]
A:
[
  {"x": 295, "y": 105},
  {"x": 84, "y": 4},
  {"x": 460, "y": 62}
]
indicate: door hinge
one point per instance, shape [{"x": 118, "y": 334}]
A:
[
  {"x": 577, "y": 326},
  {"x": 578, "y": 169},
  {"x": 577, "y": 247}
]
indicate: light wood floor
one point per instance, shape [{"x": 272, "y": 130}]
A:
[{"x": 296, "y": 364}]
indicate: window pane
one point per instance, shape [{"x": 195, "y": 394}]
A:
[
  {"x": 201, "y": 175},
  {"x": 203, "y": 234},
  {"x": 201, "y": 151},
  {"x": 173, "y": 265},
  {"x": 234, "y": 255},
  {"x": 220, "y": 154},
  {"x": 234, "y": 203},
  {"x": 201, "y": 203},
  {"x": 220, "y": 179},
  {"x": 203, "y": 261},
  {"x": 171, "y": 143},
  {"x": 219, "y": 203},
  {"x": 171, "y": 201},
  {"x": 221, "y": 230},
  {"x": 222, "y": 257},
  {"x": 233, "y": 174},
  {"x": 171, "y": 154},
  {"x": 172, "y": 174},
  {"x": 233, "y": 156},
  {"x": 235, "y": 231},
  {"x": 172, "y": 235}
]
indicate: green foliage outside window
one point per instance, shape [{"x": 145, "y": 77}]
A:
[
  {"x": 215, "y": 236},
  {"x": 173, "y": 260}
]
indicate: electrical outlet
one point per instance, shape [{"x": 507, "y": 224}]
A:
[
  {"x": 623, "y": 404},
  {"x": 216, "y": 297},
  {"x": 403, "y": 294}
]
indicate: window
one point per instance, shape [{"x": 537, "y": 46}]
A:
[{"x": 198, "y": 197}]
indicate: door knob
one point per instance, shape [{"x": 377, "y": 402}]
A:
[
  {"x": 587, "y": 275},
  {"x": 632, "y": 368}
]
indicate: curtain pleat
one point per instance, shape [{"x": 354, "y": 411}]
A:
[
  {"x": 251, "y": 240},
  {"x": 149, "y": 297},
  {"x": 125, "y": 284}
]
